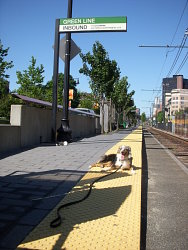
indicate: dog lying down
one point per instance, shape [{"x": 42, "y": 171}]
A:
[{"x": 122, "y": 159}]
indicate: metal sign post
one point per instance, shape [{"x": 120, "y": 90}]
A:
[
  {"x": 69, "y": 25},
  {"x": 55, "y": 81},
  {"x": 64, "y": 132}
]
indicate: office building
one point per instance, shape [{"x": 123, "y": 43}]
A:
[{"x": 172, "y": 83}]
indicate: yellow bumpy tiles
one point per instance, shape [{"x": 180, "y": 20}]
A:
[{"x": 108, "y": 219}]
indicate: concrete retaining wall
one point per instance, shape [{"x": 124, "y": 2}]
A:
[{"x": 30, "y": 126}]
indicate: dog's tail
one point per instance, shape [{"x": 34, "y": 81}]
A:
[{"x": 95, "y": 165}]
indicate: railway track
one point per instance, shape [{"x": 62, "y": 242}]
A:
[{"x": 178, "y": 146}]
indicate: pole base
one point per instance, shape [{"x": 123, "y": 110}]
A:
[{"x": 64, "y": 133}]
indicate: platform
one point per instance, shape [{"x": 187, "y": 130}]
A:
[
  {"x": 165, "y": 198},
  {"x": 108, "y": 219}
]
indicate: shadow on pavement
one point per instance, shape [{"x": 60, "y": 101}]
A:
[
  {"x": 27, "y": 198},
  {"x": 101, "y": 203}
]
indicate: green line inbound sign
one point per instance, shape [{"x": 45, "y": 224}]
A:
[{"x": 93, "y": 24}]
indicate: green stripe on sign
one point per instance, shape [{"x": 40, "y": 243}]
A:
[
  {"x": 92, "y": 20},
  {"x": 111, "y": 19}
]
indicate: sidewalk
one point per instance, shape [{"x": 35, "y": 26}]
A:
[
  {"x": 164, "y": 199},
  {"x": 34, "y": 181}
]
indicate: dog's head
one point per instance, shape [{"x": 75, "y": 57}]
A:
[{"x": 124, "y": 151}]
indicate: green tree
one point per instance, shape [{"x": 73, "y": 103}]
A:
[
  {"x": 5, "y": 105},
  {"x": 4, "y": 88},
  {"x": 48, "y": 91},
  {"x": 5, "y": 98},
  {"x": 182, "y": 111},
  {"x": 143, "y": 117},
  {"x": 160, "y": 116},
  {"x": 4, "y": 66},
  {"x": 186, "y": 110},
  {"x": 86, "y": 100},
  {"x": 123, "y": 100},
  {"x": 102, "y": 71},
  {"x": 103, "y": 74},
  {"x": 31, "y": 80}
]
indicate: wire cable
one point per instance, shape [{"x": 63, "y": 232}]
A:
[
  {"x": 179, "y": 22},
  {"x": 168, "y": 50},
  {"x": 182, "y": 63},
  {"x": 177, "y": 55}
]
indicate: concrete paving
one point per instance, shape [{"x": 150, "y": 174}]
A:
[
  {"x": 32, "y": 182},
  {"x": 164, "y": 199}
]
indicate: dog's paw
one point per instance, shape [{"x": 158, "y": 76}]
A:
[
  {"x": 105, "y": 169},
  {"x": 133, "y": 171},
  {"x": 120, "y": 170}
]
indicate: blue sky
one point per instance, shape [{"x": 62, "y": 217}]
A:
[{"x": 28, "y": 27}]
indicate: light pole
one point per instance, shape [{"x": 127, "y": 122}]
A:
[
  {"x": 64, "y": 133},
  {"x": 151, "y": 110},
  {"x": 55, "y": 81},
  {"x": 164, "y": 89}
]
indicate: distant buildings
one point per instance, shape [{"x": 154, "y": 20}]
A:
[
  {"x": 157, "y": 106},
  {"x": 174, "y": 94},
  {"x": 178, "y": 100}
]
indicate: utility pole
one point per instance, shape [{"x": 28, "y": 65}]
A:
[
  {"x": 55, "y": 81},
  {"x": 64, "y": 132}
]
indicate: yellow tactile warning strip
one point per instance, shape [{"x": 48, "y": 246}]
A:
[{"x": 108, "y": 219}]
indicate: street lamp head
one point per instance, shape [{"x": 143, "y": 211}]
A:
[{"x": 186, "y": 32}]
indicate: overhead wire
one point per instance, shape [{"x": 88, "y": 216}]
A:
[
  {"x": 168, "y": 50},
  {"x": 184, "y": 59},
  {"x": 159, "y": 93},
  {"x": 177, "y": 55},
  {"x": 179, "y": 23},
  {"x": 180, "y": 49},
  {"x": 182, "y": 63}
]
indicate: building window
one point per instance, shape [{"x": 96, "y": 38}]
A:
[
  {"x": 182, "y": 98},
  {"x": 176, "y": 98}
]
